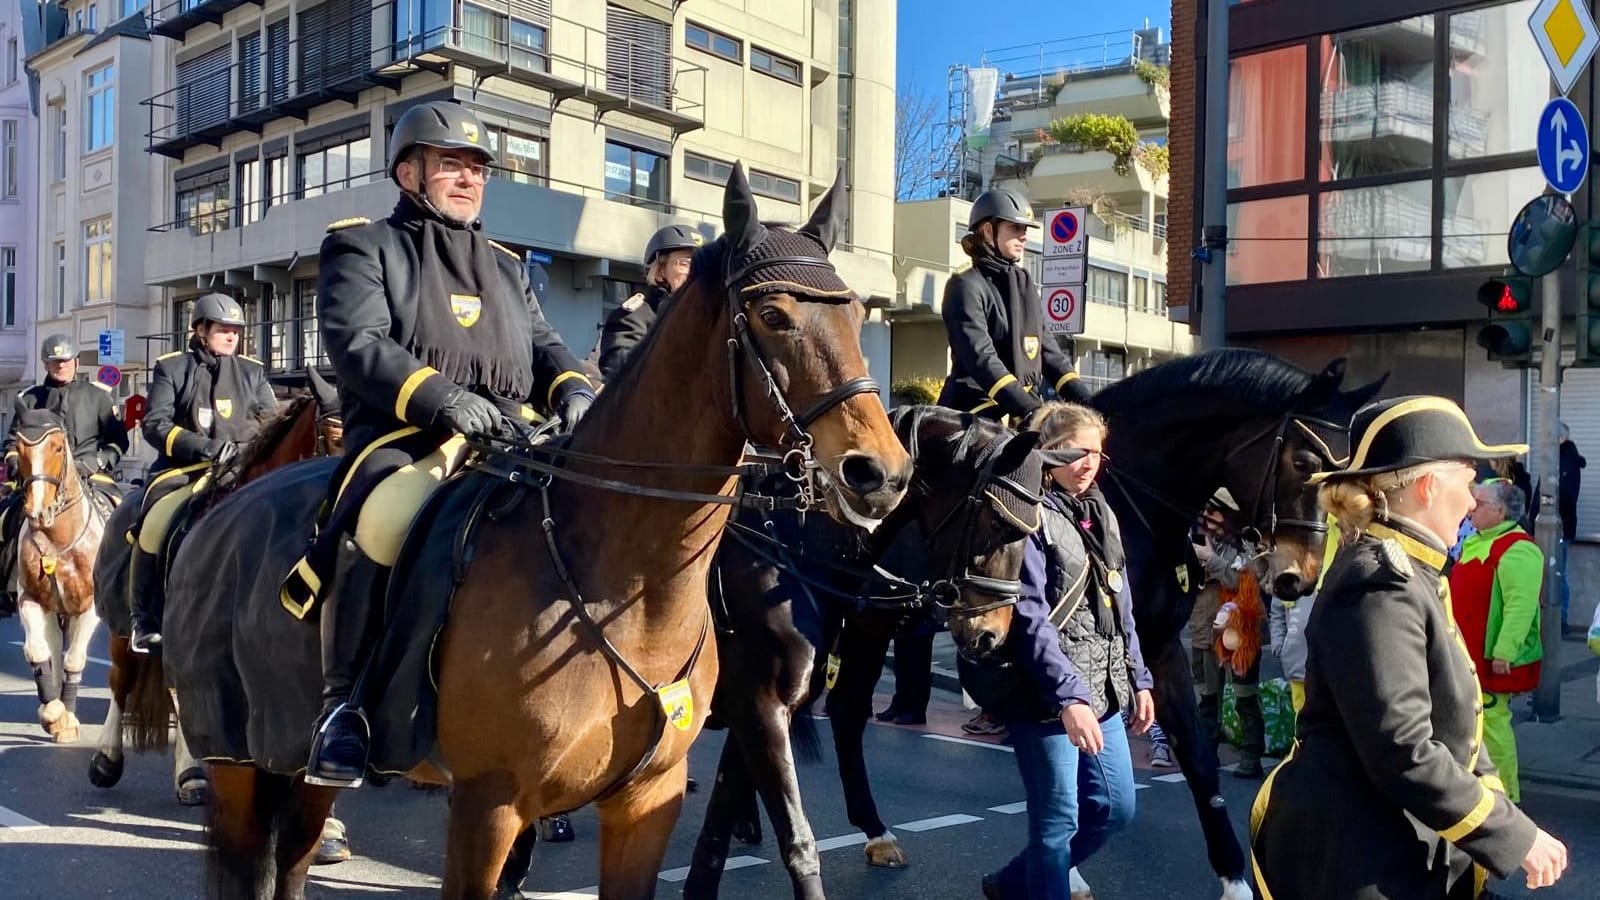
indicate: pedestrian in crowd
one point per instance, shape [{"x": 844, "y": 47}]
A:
[
  {"x": 1074, "y": 665},
  {"x": 1495, "y": 590},
  {"x": 1222, "y": 559},
  {"x": 1572, "y": 465},
  {"x": 913, "y": 673},
  {"x": 1387, "y": 794}
]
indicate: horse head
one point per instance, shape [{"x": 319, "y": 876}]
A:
[
  {"x": 330, "y": 423},
  {"x": 975, "y": 502},
  {"x": 45, "y": 470},
  {"x": 792, "y": 346}
]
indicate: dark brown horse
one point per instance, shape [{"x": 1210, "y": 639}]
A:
[
  {"x": 141, "y": 707},
  {"x": 570, "y": 671}
]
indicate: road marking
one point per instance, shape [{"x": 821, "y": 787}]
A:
[
  {"x": 93, "y": 659},
  {"x": 938, "y": 822},
  {"x": 1174, "y": 778},
  {"x": 1140, "y": 787},
  {"x": 18, "y": 822},
  {"x": 1010, "y": 809},
  {"x": 955, "y": 740},
  {"x": 129, "y": 820},
  {"x": 843, "y": 840},
  {"x": 735, "y": 862},
  {"x": 588, "y": 893}
]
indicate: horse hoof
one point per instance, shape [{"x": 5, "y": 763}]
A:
[
  {"x": 104, "y": 771},
  {"x": 334, "y": 847},
  {"x": 65, "y": 730},
  {"x": 748, "y": 832},
  {"x": 51, "y": 715},
  {"x": 1236, "y": 889},
  {"x": 885, "y": 852},
  {"x": 556, "y": 830},
  {"x": 193, "y": 788}
]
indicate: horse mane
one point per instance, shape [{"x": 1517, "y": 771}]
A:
[
  {"x": 1237, "y": 378},
  {"x": 273, "y": 430}
]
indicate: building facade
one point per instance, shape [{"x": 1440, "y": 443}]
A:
[
  {"x": 1054, "y": 137},
  {"x": 19, "y": 209},
  {"x": 269, "y": 120}
]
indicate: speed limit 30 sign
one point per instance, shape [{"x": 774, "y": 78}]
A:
[{"x": 1063, "y": 310}]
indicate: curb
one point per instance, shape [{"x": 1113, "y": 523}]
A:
[{"x": 1570, "y": 782}]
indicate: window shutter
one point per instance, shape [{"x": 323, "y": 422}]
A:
[
  {"x": 638, "y": 57},
  {"x": 278, "y": 61},
  {"x": 204, "y": 101},
  {"x": 250, "y": 72}
]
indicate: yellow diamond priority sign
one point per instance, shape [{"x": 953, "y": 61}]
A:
[{"x": 1566, "y": 34}]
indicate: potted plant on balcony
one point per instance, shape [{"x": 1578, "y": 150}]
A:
[{"x": 1097, "y": 131}]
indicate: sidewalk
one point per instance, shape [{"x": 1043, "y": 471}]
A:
[{"x": 1564, "y": 753}]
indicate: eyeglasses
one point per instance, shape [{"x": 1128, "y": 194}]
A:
[{"x": 453, "y": 167}]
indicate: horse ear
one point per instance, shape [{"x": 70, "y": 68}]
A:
[
  {"x": 1016, "y": 451},
  {"x": 827, "y": 220},
  {"x": 327, "y": 399},
  {"x": 739, "y": 222},
  {"x": 1363, "y": 395},
  {"x": 1324, "y": 386}
]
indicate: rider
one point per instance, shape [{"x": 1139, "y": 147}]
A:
[
  {"x": 433, "y": 331},
  {"x": 94, "y": 432},
  {"x": 993, "y": 314},
  {"x": 204, "y": 402},
  {"x": 667, "y": 259}
]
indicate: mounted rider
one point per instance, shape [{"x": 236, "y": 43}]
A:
[
  {"x": 435, "y": 337},
  {"x": 204, "y": 402},
  {"x": 999, "y": 352},
  {"x": 667, "y": 262},
  {"x": 95, "y": 434}
]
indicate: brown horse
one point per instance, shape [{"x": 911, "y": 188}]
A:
[
  {"x": 141, "y": 706},
  {"x": 55, "y": 568},
  {"x": 570, "y": 671}
]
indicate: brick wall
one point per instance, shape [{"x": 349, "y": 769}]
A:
[{"x": 1182, "y": 138}]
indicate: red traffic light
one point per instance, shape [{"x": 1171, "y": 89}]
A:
[
  {"x": 1507, "y": 302},
  {"x": 1506, "y": 297}
]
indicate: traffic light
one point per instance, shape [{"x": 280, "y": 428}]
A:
[
  {"x": 1509, "y": 335},
  {"x": 1588, "y": 319}
]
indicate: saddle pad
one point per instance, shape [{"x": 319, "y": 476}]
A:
[{"x": 111, "y": 599}]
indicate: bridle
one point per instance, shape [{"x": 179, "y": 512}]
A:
[
  {"x": 62, "y": 501},
  {"x": 1266, "y": 497},
  {"x": 944, "y": 595}
]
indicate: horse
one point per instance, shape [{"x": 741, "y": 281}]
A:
[
  {"x": 1234, "y": 418},
  {"x": 64, "y": 519},
  {"x": 141, "y": 710},
  {"x": 573, "y": 667},
  {"x": 975, "y": 492}
]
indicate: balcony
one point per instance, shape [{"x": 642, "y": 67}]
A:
[
  {"x": 175, "y": 19},
  {"x": 1058, "y": 170}
]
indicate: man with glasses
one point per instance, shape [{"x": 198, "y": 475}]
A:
[{"x": 435, "y": 337}]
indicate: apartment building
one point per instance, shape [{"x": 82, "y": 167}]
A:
[
  {"x": 19, "y": 209},
  {"x": 269, "y": 120},
  {"x": 1053, "y": 136}
]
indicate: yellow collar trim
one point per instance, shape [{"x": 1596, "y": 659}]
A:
[{"x": 1414, "y": 548}]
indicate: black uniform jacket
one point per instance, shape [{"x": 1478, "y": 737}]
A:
[
  {"x": 625, "y": 329},
  {"x": 1388, "y": 792},
  {"x": 92, "y": 423},
  {"x": 367, "y": 298},
  {"x": 168, "y": 424},
  {"x": 982, "y": 373}
]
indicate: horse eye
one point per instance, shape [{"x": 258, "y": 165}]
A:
[
  {"x": 774, "y": 318},
  {"x": 1307, "y": 464}
]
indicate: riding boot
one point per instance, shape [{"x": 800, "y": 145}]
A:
[
  {"x": 1208, "y": 677},
  {"x": 147, "y": 601},
  {"x": 350, "y": 616},
  {"x": 1252, "y": 731}
]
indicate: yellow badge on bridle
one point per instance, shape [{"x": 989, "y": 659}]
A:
[
  {"x": 677, "y": 701},
  {"x": 466, "y": 308},
  {"x": 48, "y": 563},
  {"x": 1183, "y": 579}
]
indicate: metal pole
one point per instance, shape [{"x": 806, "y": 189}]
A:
[
  {"x": 1214, "y": 233},
  {"x": 1547, "y": 531}
]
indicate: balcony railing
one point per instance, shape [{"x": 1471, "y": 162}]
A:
[{"x": 174, "y": 19}]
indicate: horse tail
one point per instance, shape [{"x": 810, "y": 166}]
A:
[
  {"x": 147, "y": 713},
  {"x": 803, "y": 736},
  {"x": 244, "y": 813}
]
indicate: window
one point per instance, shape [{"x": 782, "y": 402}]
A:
[
  {"x": 704, "y": 168},
  {"x": 1267, "y": 240},
  {"x": 97, "y": 271},
  {"x": 202, "y": 201},
  {"x": 278, "y": 189},
  {"x": 8, "y": 159},
  {"x": 1159, "y": 291},
  {"x": 310, "y": 339},
  {"x": 638, "y": 57},
  {"x": 58, "y": 150},
  {"x": 772, "y": 64},
  {"x": 8, "y": 287},
  {"x": 1498, "y": 82},
  {"x": 100, "y": 108},
  {"x": 1377, "y": 100},
  {"x": 129, "y": 7},
  {"x": 1100, "y": 368},
  {"x": 1141, "y": 294},
  {"x": 1267, "y": 116},
  {"x": 1478, "y": 210},
  {"x": 767, "y": 184},
  {"x": 635, "y": 176},
  {"x": 94, "y": 16},
  {"x": 521, "y": 156},
  {"x": 61, "y": 278},
  {"x": 1376, "y": 231},
  {"x": 713, "y": 42},
  {"x": 11, "y": 61},
  {"x": 247, "y": 195},
  {"x": 334, "y": 164},
  {"x": 1107, "y": 287},
  {"x": 490, "y": 33}
]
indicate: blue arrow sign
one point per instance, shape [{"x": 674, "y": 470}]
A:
[{"x": 1563, "y": 145}]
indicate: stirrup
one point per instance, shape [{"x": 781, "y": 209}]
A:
[
  {"x": 317, "y": 778},
  {"x": 144, "y": 642}
]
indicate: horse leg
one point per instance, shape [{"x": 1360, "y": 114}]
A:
[
  {"x": 299, "y": 833},
  {"x": 768, "y": 752},
  {"x": 74, "y": 659},
  {"x": 188, "y": 776},
  {"x": 861, "y": 655},
  {"x": 728, "y": 791},
  {"x": 238, "y": 863},
  {"x": 484, "y": 824},
  {"x": 37, "y": 649},
  {"x": 635, "y": 825},
  {"x": 105, "y": 769},
  {"x": 518, "y": 863}
]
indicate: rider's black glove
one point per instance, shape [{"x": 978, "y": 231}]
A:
[
  {"x": 221, "y": 452},
  {"x": 468, "y": 414},
  {"x": 106, "y": 459},
  {"x": 572, "y": 408}
]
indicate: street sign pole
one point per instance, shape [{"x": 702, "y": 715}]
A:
[{"x": 1547, "y": 530}]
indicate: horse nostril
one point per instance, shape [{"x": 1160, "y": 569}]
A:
[
  {"x": 987, "y": 642},
  {"x": 862, "y": 474}
]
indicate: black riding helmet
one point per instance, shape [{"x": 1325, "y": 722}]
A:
[
  {"x": 668, "y": 239},
  {"x": 1003, "y": 204},
  {"x": 218, "y": 308},
  {"x": 57, "y": 348},
  {"x": 441, "y": 124}
]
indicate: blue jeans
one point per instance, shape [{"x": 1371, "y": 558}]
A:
[{"x": 1075, "y": 802}]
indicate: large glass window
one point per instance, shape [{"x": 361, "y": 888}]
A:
[
  {"x": 248, "y": 192},
  {"x": 1375, "y": 231},
  {"x": 1107, "y": 287},
  {"x": 278, "y": 189},
  {"x": 1498, "y": 81},
  {"x": 494, "y": 35},
  {"x": 1377, "y": 100},
  {"x": 334, "y": 165},
  {"x": 9, "y": 150},
  {"x": 202, "y": 201},
  {"x": 1267, "y": 240},
  {"x": 8, "y": 287},
  {"x": 634, "y": 175},
  {"x": 1478, "y": 210},
  {"x": 522, "y": 156},
  {"x": 1266, "y": 118},
  {"x": 100, "y": 108},
  {"x": 714, "y": 42},
  {"x": 97, "y": 271}
]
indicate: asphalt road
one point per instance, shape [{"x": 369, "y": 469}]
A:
[{"x": 955, "y": 806}]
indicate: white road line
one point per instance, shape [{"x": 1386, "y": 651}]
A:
[
  {"x": 1140, "y": 787},
  {"x": 734, "y": 862},
  {"x": 93, "y": 659},
  {"x": 588, "y": 893},
  {"x": 15, "y": 821},
  {"x": 843, "y": 840},
  {"x": 129, "y": 820},
  {"x": 938, "y": 822},
  {"x": 1010, "y": 809},
  {"x": 1174, "y": 778},
  {"x": 955, "y": 740}
]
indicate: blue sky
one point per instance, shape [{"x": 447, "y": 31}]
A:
[{"x": 933, "y": 34}]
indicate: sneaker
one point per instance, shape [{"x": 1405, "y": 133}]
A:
[
  {"x": 1161, "y": 756},
  {"x": 982, "y": 723}
]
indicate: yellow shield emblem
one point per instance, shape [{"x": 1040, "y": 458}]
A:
[
  {"x": 470, "y": 130},
  {"x": 466, "y": 309},
  {"x": 1030, "y": 346},
  {"x": 677, "y": 701},
  {"x": 1183, "y": 579},
  {"x": 225, "y": 408}
]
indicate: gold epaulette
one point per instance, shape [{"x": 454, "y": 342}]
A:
[
  {"x": 506, "y": 250},
  {"x": 351, "y": 222},
  {"x": 167, "y": 356}
]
